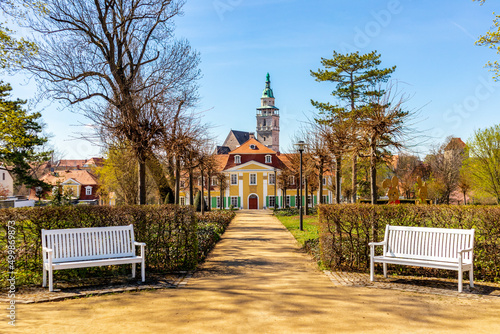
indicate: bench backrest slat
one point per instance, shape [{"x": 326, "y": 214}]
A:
[
  {"x": 440, "y": 244},
  {"x": 94, "y": 243}
]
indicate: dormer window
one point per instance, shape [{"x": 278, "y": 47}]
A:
[
  {"x": 237, "y": 159},
  {"x": 88, "y": 190},
  {"x": 253, "y": 147},
  {"x": 269, "y": 159}
]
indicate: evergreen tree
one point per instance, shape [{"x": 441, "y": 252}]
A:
[
  {"x": 20, "y": 139},
  {"x": 357, "y": 77}
]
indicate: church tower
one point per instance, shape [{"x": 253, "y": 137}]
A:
[{"x": 268, "y": 119}]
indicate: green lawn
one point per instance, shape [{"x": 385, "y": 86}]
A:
[{"x": 310, "y": 225}]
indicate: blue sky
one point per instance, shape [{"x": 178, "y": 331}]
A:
[{"x": 430, "y": 42}]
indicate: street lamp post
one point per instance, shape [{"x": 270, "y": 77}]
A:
[{"x": 301, "y": 146}]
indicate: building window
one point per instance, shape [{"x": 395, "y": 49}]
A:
[
  {"x": 183, "y": 200},
  {"x": 218, "y": 202},
  {"x": 324, "y": 181},
  {"x": 237, "y": 159},
  {"x": 287, "y": 201},
  {"x": 234, "y": 179},
  {"x": 264, "y": 122},
  {"x": 234, "y": 201},
  {"x": 272, "y": 201},
  {"x": 292, "y": 179},
  {"x": 325, "y": 199},
  {"x": 268, "y": 159},
  {"x": 182, "y": 184},
  {"x": 253, "y": 179},
  {"x": 214, "y": 181},
  {"x": 88, "y": 191},
  {"x": 309, "y": 200},
  {"x": 272, "y": 179}
]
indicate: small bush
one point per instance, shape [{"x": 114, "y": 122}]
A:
[{"x": 345, "y": 231}]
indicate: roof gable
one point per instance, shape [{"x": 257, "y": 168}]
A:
[
  {"x": 251, "y": 165},
  {"x": 245, "y": 148}
]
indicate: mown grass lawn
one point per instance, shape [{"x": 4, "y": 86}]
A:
[{"x": 310, "y": 225}]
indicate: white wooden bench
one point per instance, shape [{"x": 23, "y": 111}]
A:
[
  {"x": 90, "y": 247},
  {"x": 442, "y": 248}
]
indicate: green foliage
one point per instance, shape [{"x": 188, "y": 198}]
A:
[
  {"x": 483, "y": 165},
  {"x": 491, "y": 40},
  {"x": 345, "y": 231},
  {"x": 356, "y": 77},
  {"x": 20, "y": 138},
  {"x": 211, "y": 226}
]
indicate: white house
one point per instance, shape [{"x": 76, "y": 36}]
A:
[{"x": 6, "y": 182}]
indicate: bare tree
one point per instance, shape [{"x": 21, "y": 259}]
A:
[
  {"x": 119, "y": 62},
  {"x": 446, "y": 162}
]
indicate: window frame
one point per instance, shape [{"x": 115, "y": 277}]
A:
[
  {"x": 269, "y": 159},
  {"x": 88, "y": 191},
  {"x": 237, "y": 159},
  {"x": 236, "y": 179},
  {"x": 271, "y": 175},
  {"x": 234, "y": 199},
  {"x": 250, "y": 179}
]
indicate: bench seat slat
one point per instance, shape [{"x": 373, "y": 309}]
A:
[
  {"x": 95, "y": 263},
  {"x": 421, "y": 263}
]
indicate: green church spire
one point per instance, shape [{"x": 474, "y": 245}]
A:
[{"x": 268, "y": 92}]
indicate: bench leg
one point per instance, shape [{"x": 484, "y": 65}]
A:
[
  {"x": 143, "y": 271},
  {"x": 385, "y": 270},
  {"x": 51, "y": 280},
  {"x": 471, "y": 278},
  {"x": 372, "y": 267},
  {"x": 44, "y": 282},
  {"x": 460, "y": 276},
  {"x": 133, "y": 270}
]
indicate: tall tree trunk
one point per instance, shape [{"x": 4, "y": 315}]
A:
[
  {"x": 209, "y": 185},
  {"x": 338, "y": 171},
  {"x": 202, "y": 199},
  {"x": 221, "y": 195},
  {"x": 373, "y": 174},
  {"x": 142, "y": 181},
  {"x": 320, "y": 176},
  {"x": 306, "y": 202},
  {"x": 177, "y": 180},
  {"x": 354, "y": 176},
  {"x": 191, "y": 188}
]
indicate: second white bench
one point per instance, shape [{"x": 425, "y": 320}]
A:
[
  {"x": 442, "y": 248},
  {"x": 90, "y": 247}
]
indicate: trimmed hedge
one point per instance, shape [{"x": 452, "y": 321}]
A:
[
  {"x": 211, "y": 226},
  {"x": 345, "y": 231},
  {"x": 169, "y": 231}
]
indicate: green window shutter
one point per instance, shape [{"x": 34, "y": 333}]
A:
[
  {"x": 214, "y": 202},
  {"x": 292, "y": 201},
  {"x": 267, "y": 201},
  {"x": 315, "y": 200},
  {"x": 239, "y": 202}
]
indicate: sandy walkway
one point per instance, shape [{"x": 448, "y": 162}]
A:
[{"x": 257, "y": 281}]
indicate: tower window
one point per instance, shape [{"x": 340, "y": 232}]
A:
[{"x": 264, "y": 122}]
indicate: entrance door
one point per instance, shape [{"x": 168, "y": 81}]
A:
[{"x": 253, "y": 202}]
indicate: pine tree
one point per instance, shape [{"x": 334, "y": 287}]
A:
[
  {"x": 357, "y": 78},
  {"x": 20, "y": 138}
]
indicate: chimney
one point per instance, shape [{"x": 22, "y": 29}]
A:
[{"x": 251, "y": 135}]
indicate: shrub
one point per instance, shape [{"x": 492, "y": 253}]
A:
[
  {"x": 345, "y": 231},
  {"x": 169, "y": 233},
  {"x": 211, "y": 226}
]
